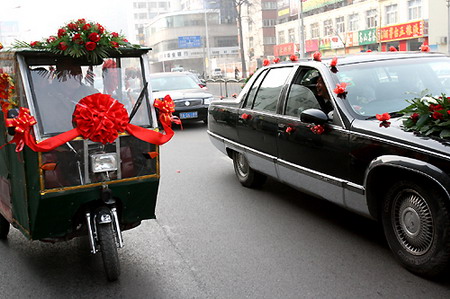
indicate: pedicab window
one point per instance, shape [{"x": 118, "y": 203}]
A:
[{"x": 58, "y": 86}]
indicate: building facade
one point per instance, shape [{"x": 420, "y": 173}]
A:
[
  {"x": 194, "y": 40},
  {"x": 142, "y": 12},
  {"x": 336, "y": 27},
  {"x": 258, "y": 28}
]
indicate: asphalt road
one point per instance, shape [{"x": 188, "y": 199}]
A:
[{"x": 216, "y": 239}]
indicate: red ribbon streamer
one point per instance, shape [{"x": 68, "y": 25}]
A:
[{"x": 98, "y": 117}]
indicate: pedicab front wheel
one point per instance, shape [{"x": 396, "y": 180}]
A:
[
  {"x": 108, "y": 247},
  {"x": 4, "y": 227}
]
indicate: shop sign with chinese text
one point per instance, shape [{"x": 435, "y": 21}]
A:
[
  {"x": 401, "y": 31},
  {"x": 367, "y": 37}
]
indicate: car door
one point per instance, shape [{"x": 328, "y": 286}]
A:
[
  {"x": 258, "y": 119},
  {"x": 316, "y": 163}
]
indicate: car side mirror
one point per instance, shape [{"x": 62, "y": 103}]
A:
[{"x": 315, "y": 116}]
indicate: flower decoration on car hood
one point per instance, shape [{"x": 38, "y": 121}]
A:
[
  {"x": 428, "y": 115},
  {"x": 425, "y": 48},
  {"x": 81, "y": 38},
  {"x": 383, "y": 118}
]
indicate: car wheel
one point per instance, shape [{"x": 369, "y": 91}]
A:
[
  {"x": 417, "y": 227},
  {"x": 108, "y": 247},
  {"x": 247, "y": 176}
]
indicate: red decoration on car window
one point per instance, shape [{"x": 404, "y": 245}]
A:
[{"x": 340, "y": 88}]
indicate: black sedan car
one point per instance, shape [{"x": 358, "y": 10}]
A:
[
  {"x": 339, "y": 132},
  {"x": 191, "y": 100}
]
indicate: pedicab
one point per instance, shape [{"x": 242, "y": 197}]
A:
[{"x": 79, "y": 139}]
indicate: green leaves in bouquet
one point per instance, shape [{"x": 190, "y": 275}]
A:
[{"x": 428, "y": 115}]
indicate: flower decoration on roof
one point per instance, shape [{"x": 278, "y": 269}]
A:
[
  {"x": 428, "y": 115},
  {"x": 383, "y": 118},
  {"x": 266, "y": 62},
  {"x": 81, "y": 38},
  {"x": 1, "y": 46},
  {"x": 340, "y": 90},
  {"x": 276, "y": 60},
  {"x": 425, "y": 48},
  {"x": 368, "y": 51},
  {"x": 317, "y": 56},
  {"x": 333, "y": 65},
  {"x": 293, "y": 58},
  {"x": 392, "y": 49}
]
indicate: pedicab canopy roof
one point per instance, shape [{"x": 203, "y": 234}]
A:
[{"x": 82, "y": 39}]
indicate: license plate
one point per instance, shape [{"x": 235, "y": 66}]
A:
[{"x": 184, "y": 115}]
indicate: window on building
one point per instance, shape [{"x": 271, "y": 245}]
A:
[
  {"x": 391, "y": 14},
  {"x": 268, "y": 5},
  {"x": 250, "y": 26},
  {"x": 281, "y": 38},
  {"x": 291, "y": 36},
  {"x": 315, "y": 30},
  {"x": 353, "y": 20},
  {"x": 340, "y": 25},
  {"x": 327, "y": 27},
  {"x": 269, "y": 40},
  {"x": 140, "y": 4},
  {"x": 152, "y": 4},
  {"x": 414, "y": 9},
  {"x": 162, "y": 4},
  {"x": 250, "y": 42},
  {"x": 371, "y": 17},
  {"x": 269, "y": 22}
]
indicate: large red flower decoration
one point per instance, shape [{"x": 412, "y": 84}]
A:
[{"x": 100, "y": 117}]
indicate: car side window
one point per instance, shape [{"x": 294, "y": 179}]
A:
[
  {"x": 302, "y": 93},
  {"x": 267, "y": 96},
  {"x": 253, "y": 90}
]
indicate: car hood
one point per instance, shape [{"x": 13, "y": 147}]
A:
[
  {"x": 183, "y": 94},
  {"x": 394, "y": 133}
]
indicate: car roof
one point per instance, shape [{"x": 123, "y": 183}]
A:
[
  {"x": 373, "y": 56},
  {"x": 174, "y": 74}
]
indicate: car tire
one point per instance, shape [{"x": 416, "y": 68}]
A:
[
  {"x": 416, "y": 224},
  {"x": 4, "y": 228},
  {"x": 246, "y": 175}
]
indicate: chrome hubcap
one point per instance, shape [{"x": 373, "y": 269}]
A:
[
  {"x": 242, "y": 165},
  {"x": 413, "y": 222}
]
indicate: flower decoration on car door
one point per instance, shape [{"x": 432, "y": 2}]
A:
[{"x": 317, "y": 129}]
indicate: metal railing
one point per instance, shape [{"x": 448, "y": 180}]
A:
[{"x": 224, "y": 88}]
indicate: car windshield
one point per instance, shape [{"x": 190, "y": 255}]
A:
[
  {"x": 385, "y": 86},
  {"x": 58, "y": 87},
  {"x": 170, "y": 82}
]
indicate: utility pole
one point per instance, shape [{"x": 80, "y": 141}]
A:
[
  {"x": 301, "y": 44},
  {"x": 448, "y": 26},
  {"x": 238, "y": 6}
]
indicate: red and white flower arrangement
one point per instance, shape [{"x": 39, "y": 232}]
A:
[{"x": 81, "y": 38}]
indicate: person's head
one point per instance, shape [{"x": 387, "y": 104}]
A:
[
  {"x": 321, "y": 88},
  {"x": 68, "y": 70}
]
